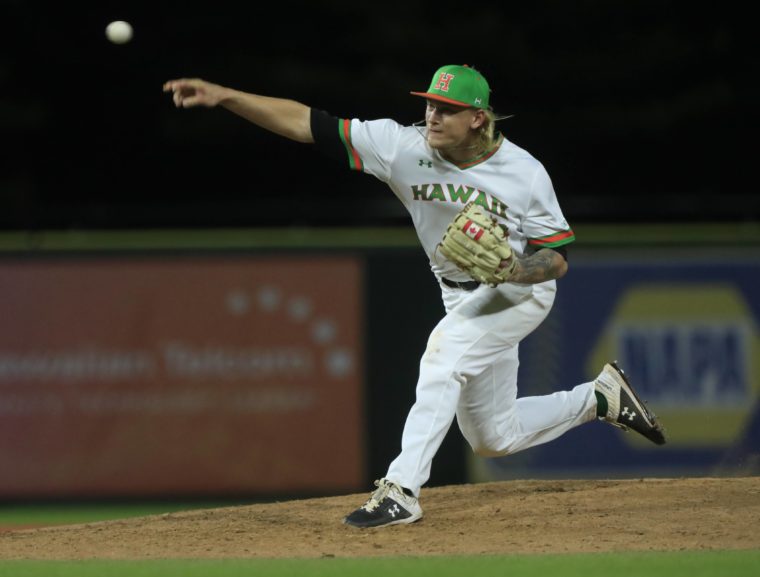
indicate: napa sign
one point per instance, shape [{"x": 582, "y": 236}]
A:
[{"x": 691, "y": 350}]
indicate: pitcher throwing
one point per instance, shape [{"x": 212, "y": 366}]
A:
[{"x": 487, "y": 216}]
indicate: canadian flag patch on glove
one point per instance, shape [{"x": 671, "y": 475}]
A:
[
  {"x": 476, "y": 243},
  {"x": 472, "y": 230}
]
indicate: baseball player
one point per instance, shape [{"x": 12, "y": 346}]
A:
[{"x": 496, "y": 287}]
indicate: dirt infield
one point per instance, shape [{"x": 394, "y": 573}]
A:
[{"x": 490, "y": 518}]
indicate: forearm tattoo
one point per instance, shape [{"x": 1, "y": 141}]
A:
[{"x": 539, "y": 267}]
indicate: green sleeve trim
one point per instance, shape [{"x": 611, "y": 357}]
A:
[
  {"x": 354, "y": 160},
  {"x": 553, "y": 240}
]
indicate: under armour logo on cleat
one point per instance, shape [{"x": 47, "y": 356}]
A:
[
  {"x": 627, "y": 413},
  {"x": 394, "y": 511}
]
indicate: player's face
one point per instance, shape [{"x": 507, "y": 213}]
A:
[{"x": 449, "y": 126}]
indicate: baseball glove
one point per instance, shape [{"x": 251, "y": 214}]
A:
[{"x": 477, "y": 245}]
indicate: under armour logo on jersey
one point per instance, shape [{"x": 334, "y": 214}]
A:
[
  {"x": 472, "y": 230},
  {"x": 443, "y": 82},
  {"x": 627, "y": 413},
  {"x": 393, "y": 511},
  {"x": 424, "y": 162}
]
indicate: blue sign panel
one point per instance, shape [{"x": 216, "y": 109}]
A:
[{"x": 686, "y": 333}]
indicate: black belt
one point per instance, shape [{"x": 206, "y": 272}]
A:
[{"x": 469, "y": 285}]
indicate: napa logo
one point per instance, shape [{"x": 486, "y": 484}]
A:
[{"x": 691, "y": 351}]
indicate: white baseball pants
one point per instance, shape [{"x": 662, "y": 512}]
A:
[{"x": 469, "y": 369}]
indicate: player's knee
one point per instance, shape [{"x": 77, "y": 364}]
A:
[
  {"x": 495, "y": 447},
  {"x": 490, "y": 440},
  {"x": 484, "y": 451},
  {"x": 483, "y": 443}
]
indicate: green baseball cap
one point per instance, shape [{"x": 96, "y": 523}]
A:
[{"x": 458, "y": 85}]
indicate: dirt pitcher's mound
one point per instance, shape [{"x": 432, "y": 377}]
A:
[{"x": 491, "y": 518}]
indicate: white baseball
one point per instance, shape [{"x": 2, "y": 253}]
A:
[{"x": 119, "y": 32}]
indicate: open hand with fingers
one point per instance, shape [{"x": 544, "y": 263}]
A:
[{"x": 190, "y": 92}]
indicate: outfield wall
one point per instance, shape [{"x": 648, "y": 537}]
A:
[{"x": 165, "y": 363}]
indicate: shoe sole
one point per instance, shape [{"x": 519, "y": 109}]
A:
[
  {"x": 658, "y": 431},
  {"x": 406, "y": 521}
]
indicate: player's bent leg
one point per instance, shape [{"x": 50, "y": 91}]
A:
[
  {"x": 486, "y": 402},
  {"x": 624, "y": 408},
  {"x": 496, "y": 423},
  {"x": 531, "y": 421}
]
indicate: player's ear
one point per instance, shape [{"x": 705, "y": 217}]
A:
[{"x": 478, "y": 119}]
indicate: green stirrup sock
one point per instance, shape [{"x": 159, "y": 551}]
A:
[{"x": 601, "y": 404}]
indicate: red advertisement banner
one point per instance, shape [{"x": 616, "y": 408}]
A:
[{"x": 180, "y": 376}]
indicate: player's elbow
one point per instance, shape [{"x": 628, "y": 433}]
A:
[
  {"x": 560, "y": 268},
  {"x": 301, "y": 132},
  {"x": 298, "y": 131}
]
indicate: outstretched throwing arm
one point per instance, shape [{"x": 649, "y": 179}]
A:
[{"x": 287, "y": 118}]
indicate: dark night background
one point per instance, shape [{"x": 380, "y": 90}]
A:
[{"x": 640, "y": 111}]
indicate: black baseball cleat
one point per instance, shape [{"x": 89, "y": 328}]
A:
[
  {"x": 624, "y": 408},
  {"x": 388, "y": 505}
]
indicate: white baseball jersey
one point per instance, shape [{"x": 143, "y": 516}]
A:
[{"x": 507, "y": 182}]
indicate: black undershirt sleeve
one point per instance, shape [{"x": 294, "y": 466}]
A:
[{"x": 325, "y": 131}]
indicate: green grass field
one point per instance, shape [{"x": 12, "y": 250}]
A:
[{"x": 686, "y": 564}]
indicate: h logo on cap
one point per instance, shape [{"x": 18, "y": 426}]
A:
[{"x": 443, "y": 82}]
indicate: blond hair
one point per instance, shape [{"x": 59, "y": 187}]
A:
[{"x": 486, "y": 134}]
